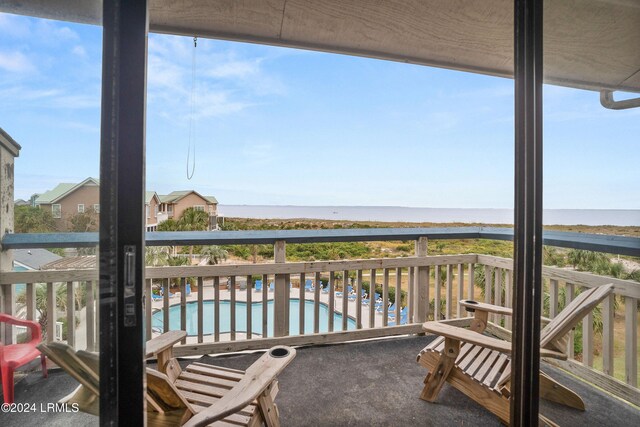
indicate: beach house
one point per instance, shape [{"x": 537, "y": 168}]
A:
[{"x": 175, "y": 203}]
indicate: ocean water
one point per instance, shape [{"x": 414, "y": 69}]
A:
[{"x": 629, "y": 217}]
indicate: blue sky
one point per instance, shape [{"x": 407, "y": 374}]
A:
[{"x": 286, "y": 126}]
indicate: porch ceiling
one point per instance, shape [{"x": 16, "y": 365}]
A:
[{"x": 590, "y": 44}]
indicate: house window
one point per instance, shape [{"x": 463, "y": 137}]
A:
[
  {"x": 81, "y": 208},
  {"x": 96, "y": 208},
  {"x": 198, "y": 207},
  {"x": 148, "y": 211},
  {"x": 155, "y": 211},
  {"x": 56, "y": 210},
  {"x": 170, "y": 209}
]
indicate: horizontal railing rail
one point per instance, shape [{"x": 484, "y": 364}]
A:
[{"x": 596, "y": 242}]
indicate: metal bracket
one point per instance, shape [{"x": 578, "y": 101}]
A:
[
  {"x": 130, "y": 286},
  {"x": 607, "y": 101}
]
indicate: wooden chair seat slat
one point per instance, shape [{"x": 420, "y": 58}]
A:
[
  {"x": 486, "y": 366},
  {"x": 470, "y": 357},
  {"x": 212, "y": 371},
  {"x": 497, "y": 370}
]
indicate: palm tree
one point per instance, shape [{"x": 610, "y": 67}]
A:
[
  {"x": 214, "y": 254},
  {"x": 155, "y": 256},
  {"x": 193, "y": 220}
]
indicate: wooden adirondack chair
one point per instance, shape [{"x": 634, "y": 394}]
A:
[
  {"x": 480, "y": 366},
  {"x": 199, "y": 395}
]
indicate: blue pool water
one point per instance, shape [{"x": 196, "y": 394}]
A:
[{"x": 241, "y": 318}]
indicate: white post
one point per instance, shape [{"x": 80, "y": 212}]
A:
[
  {"x": 9, "y": 150},
  {"x": 421, "y": 285},
  {"x": 281, "y": 293}
]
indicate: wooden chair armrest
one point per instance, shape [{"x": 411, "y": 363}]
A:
[
  {"x": 256, "y": 379},
  {"x": 467, "y": 335},
  {"x": 471, "y": 337},
  {"x": 471, "y": 306},
  {"x": 163, "y": 342}
]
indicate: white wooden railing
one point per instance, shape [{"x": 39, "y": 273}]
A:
[{"x": 428, "y": 281}]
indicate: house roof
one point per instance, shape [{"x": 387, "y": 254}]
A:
[
  {"x": 148, "y": 195},
  {"x": 73, "y": 263},
  {"x": 9, "y": 143},
  {"x": 34, "y": 258},
  {"x": 175, "y": 196},
  {"x": 589, "y": 44},
  {"x": 62, "y": 190},
  {"x": 21, "y": 202}
]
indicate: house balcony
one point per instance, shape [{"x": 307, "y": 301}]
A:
[{"x": 359, "y": 361}]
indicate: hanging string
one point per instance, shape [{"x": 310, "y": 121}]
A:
[{"x": 192, "y": 139}]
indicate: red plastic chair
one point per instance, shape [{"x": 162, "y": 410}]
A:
[{"x": 15, "y": 355}]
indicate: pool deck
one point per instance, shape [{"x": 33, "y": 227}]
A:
[
  {"x": 371, "y": 383},
  {"x": 241, "y": 295}
]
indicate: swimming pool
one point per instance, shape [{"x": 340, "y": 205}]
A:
[{"x": 208, "y": 308}]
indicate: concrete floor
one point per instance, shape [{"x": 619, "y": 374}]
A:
[{"x": 374, "y": 383}]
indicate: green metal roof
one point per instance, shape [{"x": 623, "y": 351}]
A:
[
  {"x": 61, "y": 190},
  {"x": 174, "y": 196},
  {"x": 52, "y": 195},
  {"x": 148, "y": 195}
]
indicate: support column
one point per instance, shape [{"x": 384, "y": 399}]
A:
[
  {"x": 421, "y": 285},
  {"x": 122, "y": 186},
  {"x": 527, "y": 257},
  {"x": 281, "y": 293},
  {"x": 9, "y": 150}
]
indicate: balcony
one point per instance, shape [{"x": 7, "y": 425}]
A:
[{"x": 369, "y": 382}]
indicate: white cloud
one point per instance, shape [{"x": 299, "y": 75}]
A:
[
  {"x": 15, "y": 62},
  {"x": 48, "y": 98},
  {"x": 79, "y": 51},
  {"x": 225, "y": 82}
]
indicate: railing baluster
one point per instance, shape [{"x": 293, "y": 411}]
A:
[
  {"x": 345, "y": 299},
  {"x": 216, "y": 308},
  {"x": 608, "y": 314},
  {"x": 569, "y": 295},
  {"x": 165, "y": 304},
  {"x": 91, "y": 316},
  {"x": 200, "y": 309},
  {"x": 410, "y": 301},
  {"x": 232, "y": 290},
  {"x": 183, "y": 307},
  {"x": 385, "y": 297},
  {"x": 587, "y": 340},
  {"x": 8, "y": 306},
  {"x": 301, "y": 303},
  {"x": 147, "y": 308},
  {"x": 471, "y": 284},
  {"x": 398, "y": 294},
  {"x": 497, "y": 295},
  {"x": 332, "y": 295},
  {"x": 372, "y": 299},
  {"x": 553, "y": 298},
  {"x": 316, "y": 303},
  {"x": 31, "y": 301},
  {"x": 71, "y": 315},
  {"x": 249, "y": 305},
  {"x": 631, "y": 341},
  {"x": 460, "y": 289},
  {"x": 265, "y": 305},
  {"x": 488, "y": 287},
  {"x": 359, "y": 299},
  {"x": 507, "y": 297},
  {"x": 449, "y": 292},
  {"x": 437, "y": 304},
  {"x": 51, "y": 312}
]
